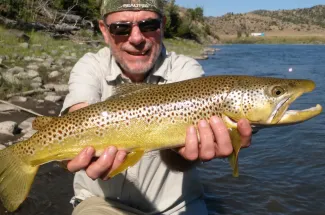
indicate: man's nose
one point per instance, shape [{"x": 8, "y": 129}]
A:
[{"x": 136, "y": 37}]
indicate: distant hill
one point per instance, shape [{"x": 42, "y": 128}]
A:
[{"x": 297, "y": 21}]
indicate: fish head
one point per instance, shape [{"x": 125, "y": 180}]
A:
[{"x": 265, "y": 101}]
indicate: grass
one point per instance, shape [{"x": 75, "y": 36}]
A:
[
  {"x": 185, "y": 47},
  {"x": 276, "y": 40},
  {"x": 39, "y": 45}
]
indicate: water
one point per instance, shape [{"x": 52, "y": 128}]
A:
[{"x": 283, "y": 172}]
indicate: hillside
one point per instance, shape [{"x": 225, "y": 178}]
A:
[{"x": 307, "y": 21}]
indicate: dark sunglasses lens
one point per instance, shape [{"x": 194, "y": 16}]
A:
[
  {"x": 149, "y": 25},
  {"x": 120, "y": 28}
]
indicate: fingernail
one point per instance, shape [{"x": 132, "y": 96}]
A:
[
  {"x": 204, "y": 123},
  {"x": 216, "y": 120},
  {"x": 112, "y": 150},
  {"x": 121, "y": 156},
  {"x": 90, "y": 151},
  {"x": 242, "y": 123},
  {"x": 192, "y": 129}
]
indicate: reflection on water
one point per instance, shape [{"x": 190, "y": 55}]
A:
[{"x": 283, "y": 172}]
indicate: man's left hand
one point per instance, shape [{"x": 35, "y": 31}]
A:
[{"x": 213, "y": 140}]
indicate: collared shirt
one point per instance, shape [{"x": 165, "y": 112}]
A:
[{"x": 149, "y": 185}]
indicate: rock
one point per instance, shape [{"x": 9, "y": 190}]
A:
[
  {"x": 22, "y": 76},
  {"x": 5, "y": 107},
  {"x": 16, "y": 70},
  {"x": 60, "y": 62},
  {"x": 4, "y": 57},
  {"x": 21, "y": 35},
  {"x": 47, "y": 64},
  {"x": 37, "y": 79},
  {"x": 40, "y": 101},
  {"x": 70, "y": 58},
  {"x": 57, "y": 87},
  {"x": 36, "y": 45},
  {"x": 17, "y": 56},
  {"x": 50, "y": 94},
  {"x": 54, "y": 74},
  {"x": 10, "y": 78},
  {"x": 35, "y": 85},
  {"x": 24, "y": 45},
  {"x": 54, "y": 52},
  {"x": 202, "y": 57},
  {"x": 9, "y": 128},
  {"x": 33, "y": 67},
  {"x": 18, "y": 99},
  {"x": 32, "y": 74},
  {"x": 52, "y": 112},
  {"x": 28, "y": 58},
  {"x": 38, "y": 59},
  {"x": 27, "y": 125},
  {"x": 67, "y": 69},
  {"x": 209, "y": 51},
  {"x": 53, "y": 98},
  {"x": 28, "y": 134},
  {"x": 2, "y": 147}
]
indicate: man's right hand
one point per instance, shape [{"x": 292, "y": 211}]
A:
[{"x": 110, "y": 159}]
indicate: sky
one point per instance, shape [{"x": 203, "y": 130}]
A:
[{"x": 221, "y": 7}]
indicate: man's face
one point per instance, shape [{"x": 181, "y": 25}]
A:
[{"x": 137, "y": 52}]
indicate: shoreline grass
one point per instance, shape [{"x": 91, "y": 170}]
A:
[{"x": 317, "y": 40}]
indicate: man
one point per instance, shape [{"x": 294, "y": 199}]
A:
[{"x": 133, "y": 29}]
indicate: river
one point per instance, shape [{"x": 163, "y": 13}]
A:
[{"x": 283, "y": 172}]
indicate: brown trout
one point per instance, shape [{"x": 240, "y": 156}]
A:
[{"x": 142, "y": 118}]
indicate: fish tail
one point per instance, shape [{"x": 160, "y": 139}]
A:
[{"x": 16, "y": 178}]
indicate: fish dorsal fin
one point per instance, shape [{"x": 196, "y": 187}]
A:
[
  {"x": 41, "y": 121},
  {"x": 128, "y": 89}
]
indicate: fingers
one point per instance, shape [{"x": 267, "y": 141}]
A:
[
  {"x": 223, "y": 146},
  {"x": 191, "y": 149},
  {"x": 207, "y": 140},
  {"x": 103, "y": 164},
  {"x": 107, "y": 162},
  {"x": 82, "y": 160},
  {"x": 245, "y": 132}
]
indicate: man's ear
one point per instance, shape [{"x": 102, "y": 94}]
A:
[
  {"x": 164, "y": 20},
  {"x": 104, "y": 30}
]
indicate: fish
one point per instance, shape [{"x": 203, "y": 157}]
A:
[{"x": 140, "y": 118}]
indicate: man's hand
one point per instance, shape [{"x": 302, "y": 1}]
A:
[
  {"x": 107, "y": 162},
  {"x": 110, "y": 159},
  {"x": 213, "y": 140}
]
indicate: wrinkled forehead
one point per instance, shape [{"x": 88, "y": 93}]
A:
[{"x": 130, "y": 16}]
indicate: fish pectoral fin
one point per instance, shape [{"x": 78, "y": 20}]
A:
[
  {"x": 131, "y": 159},
  {"x": 41, "y": 121},
  {"x": 236, "y": 144}
]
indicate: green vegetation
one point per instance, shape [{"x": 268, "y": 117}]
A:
[
  {"x": 313, "y": 15},
  {"x": 185, "y": 47},
  {"x": 39, "y": 44},
  {"x": 275, "y": 40}
]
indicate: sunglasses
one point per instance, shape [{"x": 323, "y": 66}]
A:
[{"x": 125, "y": 28}]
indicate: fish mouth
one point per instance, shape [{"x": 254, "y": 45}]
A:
[{"x": 282, "y": 116}]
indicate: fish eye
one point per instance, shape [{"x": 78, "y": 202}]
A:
[{"x": 277, "y": 91}]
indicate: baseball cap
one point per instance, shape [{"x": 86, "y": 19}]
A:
[{"x": 110, "y": 6}]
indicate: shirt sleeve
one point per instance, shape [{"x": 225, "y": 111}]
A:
[
  {"x": 84, "y": 83},
  {"x": 185, "y": 68}
]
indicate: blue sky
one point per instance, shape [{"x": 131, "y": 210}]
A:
[{"x": 221, "y": 7}]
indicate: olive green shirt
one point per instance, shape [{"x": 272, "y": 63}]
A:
[{"x": 149, "y": 186}]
